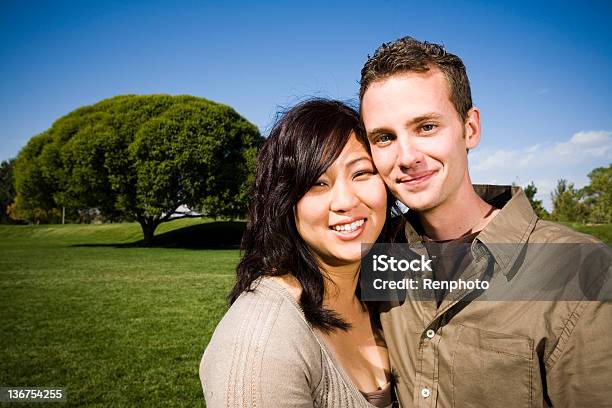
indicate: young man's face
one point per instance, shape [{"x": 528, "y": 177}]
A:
[{"x": 418, "y": 139}]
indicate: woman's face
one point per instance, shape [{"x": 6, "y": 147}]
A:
[{"x": 345, "y": 208}]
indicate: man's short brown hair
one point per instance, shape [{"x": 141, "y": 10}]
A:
[{"x": 410, "y": 55}]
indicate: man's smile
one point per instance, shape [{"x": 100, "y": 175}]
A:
[{"x": 416, "y": 179}]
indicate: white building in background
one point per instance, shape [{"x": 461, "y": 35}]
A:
[{"x": 184, "y": 211}]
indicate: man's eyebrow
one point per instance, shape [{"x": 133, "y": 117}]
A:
[
  {"x": 423, "y": 118},
  {"x": 377, "y": 131},
  {"x": 418, "y": 119}
]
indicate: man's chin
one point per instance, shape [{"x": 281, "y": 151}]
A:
[{"x": 417, "y": 202}]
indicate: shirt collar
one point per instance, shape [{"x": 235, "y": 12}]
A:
[{"x": 506, "y": 234}]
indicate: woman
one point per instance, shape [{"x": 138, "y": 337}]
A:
[{"x": 296, "y": 334}]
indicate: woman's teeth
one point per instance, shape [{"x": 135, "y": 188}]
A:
[{"x": 349, "y": 227}]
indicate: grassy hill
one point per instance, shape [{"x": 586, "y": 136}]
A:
[
  {"x": 114, "y": 323},
  {"x": 85, "y": 308}
]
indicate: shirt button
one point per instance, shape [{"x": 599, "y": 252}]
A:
[
  {"x": 430, "y": 333},
  {"x": 425, "y": 392}
]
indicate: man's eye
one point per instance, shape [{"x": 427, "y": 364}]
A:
[
  {"x": 384, "y": 139},
  {"x": 428, "y": 127}
]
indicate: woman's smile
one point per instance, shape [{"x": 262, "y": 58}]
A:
[{"x": 349, "y": 230}]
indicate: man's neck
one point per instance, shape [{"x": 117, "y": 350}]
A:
[{"x": 462, "y": 213}]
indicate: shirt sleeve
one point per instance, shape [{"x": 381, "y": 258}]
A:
[{"x": 581, "y": 374}]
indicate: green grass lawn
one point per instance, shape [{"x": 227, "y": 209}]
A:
[
  {"x": 114, "y": 324},
  {"x": 84, "y": 308}
]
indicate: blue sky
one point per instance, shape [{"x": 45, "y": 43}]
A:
[{"x": 539, "y": 72}]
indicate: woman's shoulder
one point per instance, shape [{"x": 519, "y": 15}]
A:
[
  {"x": 262, "y": 335},
  {"x": 268, "y": 307}
]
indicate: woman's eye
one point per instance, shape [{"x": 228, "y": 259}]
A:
[{"x": 362, "y": 173}]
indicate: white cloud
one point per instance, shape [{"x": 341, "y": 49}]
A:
[
  {"x": 582, "y": 146},
  {"x": 593, "y": 143},
  {"x": 544, "y": 163},
  {"x": 482, "y": 161}
]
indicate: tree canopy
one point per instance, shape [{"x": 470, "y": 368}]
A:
[
  {"x": 566, "y": 203},
  {"x": 592, "y": 203},
  {"x": 7, "y": 189},
  {"x": 598, "y": 194},
  {"x": 530, "y": 191},
  {"x": 139, "y": 157}
]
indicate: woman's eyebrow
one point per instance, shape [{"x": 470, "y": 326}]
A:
[{"x": 358, "y": 159}]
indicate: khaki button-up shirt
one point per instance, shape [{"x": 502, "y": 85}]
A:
[{"x": 519, "y": 352}]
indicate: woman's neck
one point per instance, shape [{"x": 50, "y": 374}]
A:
[
  {"x": 340, "y": 287},
  {"x": 339, "y": 291}
]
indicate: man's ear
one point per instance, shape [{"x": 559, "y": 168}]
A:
[{"x": 472, "y": 128}]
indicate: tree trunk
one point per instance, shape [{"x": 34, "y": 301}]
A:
[{"x": 148, "y": 226}]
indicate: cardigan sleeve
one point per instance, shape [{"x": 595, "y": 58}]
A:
[{"x": 261, "y": 355}]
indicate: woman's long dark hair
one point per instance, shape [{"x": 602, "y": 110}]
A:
[{"x": 303, "y": 143}]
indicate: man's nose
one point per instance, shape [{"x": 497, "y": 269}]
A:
[{"x": 408, "y": 155}]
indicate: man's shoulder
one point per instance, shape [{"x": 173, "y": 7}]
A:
[
  {"x": 546, "y": 232},
  {"x": 580, "y": 260}
]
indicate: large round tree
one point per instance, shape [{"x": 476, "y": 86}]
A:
[{"x": 140, "y": 157}]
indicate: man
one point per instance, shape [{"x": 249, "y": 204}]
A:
[{"x": 548, "y": 347}]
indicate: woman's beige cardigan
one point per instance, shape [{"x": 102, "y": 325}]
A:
[{"x": 264, "y": 354}]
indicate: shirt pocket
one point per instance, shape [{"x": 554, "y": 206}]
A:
[{"x": 491, "y": 369}]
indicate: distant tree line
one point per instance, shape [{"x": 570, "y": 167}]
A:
[
  {"x": 134, "y": 157},
  {"x": 7, "y": 190},
  {"x": 139, "y": 158},
  {"x": 590, "y": 204}
]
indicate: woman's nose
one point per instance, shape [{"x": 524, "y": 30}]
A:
[{"x": 343, "y": 197}]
